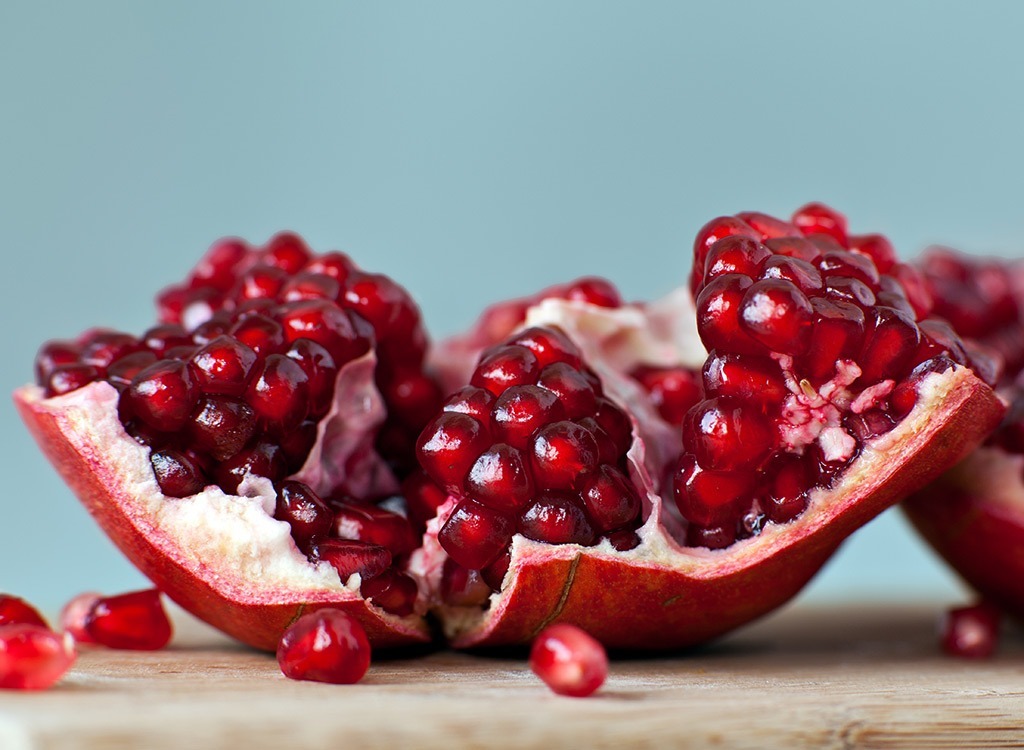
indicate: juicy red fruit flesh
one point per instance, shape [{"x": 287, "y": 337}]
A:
[
  {"x": 569, "y": 661},
  {"x": 33, "y": 657},
  {"x": 814, "y": 338},
  {"x": 971, "y": 632},
  {"x": 15, "y": 610},
  {"x": 324, "y": 646},
  {"x": 236, "y": 379},
  {"x": 532, "y": 446},
  {"x": 134, "y": 621}
]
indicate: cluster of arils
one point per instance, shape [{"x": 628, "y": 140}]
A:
[
  {"x": 817, "y": 340},
  {"x": 532, "y": 446},
  {"x": 239, "y": 380}
]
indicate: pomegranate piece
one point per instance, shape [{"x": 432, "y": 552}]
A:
[
  {"x": 325, "y": 646},
  {"x": 135, "y": 621},
  {"x": 970, "y": 632},
  {"x": 569, "y": 661},
  {"x": 33, "y": 657},
  {"x": 15, "y": 610}
]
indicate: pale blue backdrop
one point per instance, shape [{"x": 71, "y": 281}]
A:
[{"x": 474, "y": 151}]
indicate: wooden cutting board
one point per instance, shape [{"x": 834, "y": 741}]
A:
[{"x": 808, "y": 677}]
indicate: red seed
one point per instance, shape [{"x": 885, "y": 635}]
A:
[
  {"x": 971, "y": 632},
  {"x": 134, "y": 621},
  {"x": 15, "y": 610},
  {"x": 709, "y": 498},
  {"x": 744, "y": 377},
  {"x": 548, "y": 345},
  {"x": 287, "y": 251},
  {"x": 75, "y": 613},
  {"x": 556, "y": 518},
  {"x": 727, "y": 435},
  {"x": 718, "y": 315},
  {"x": 264, "y": 459},
  {"x": 392, "y": 591},
  {"x": 302, "y": 509},
  {"x": 777, "y": 314},
  {"x": 351, "y": 556},
  {"x": 504, "y": 367},
  {"x": 279, "y": 393},
  {"x": 177, "y": 474},
  {"x": 735, "y": 254},
  {"x": 562, "y": 453},
  {"x": 163, "y": 395},
  {"x": 474, "y": 535},
  {"x": 522, "y": 410},
  {"x": 221, "y": 426},
  {"x": 33, "y": 657},
  {"x": 370, "y": 523},
  {"x": 673, "y": 390},
  {"x": 569, "y": 661},
  {"x": 500, "y": 479},
  {"x": 324, "y": 646},
  {"x": 223, "y": 366},
  {"x": 449, "y": 446},
  {"x": 611, "y": 500},
  {"x": 817, "y": 218}
]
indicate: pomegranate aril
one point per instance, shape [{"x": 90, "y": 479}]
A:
[
  {"x": 799, "y": 272},
  {"x": 176, "y": 473},
  {"x": 351, "y": 556},
  {"x": 727, "y": 435},
  {"x": 100, "y": 348},
  {"x": 15, "y": 610},
  {"x": 673, "y": 390},
  {"x": 422, "y": 498},
  {"x": 904, "y": 395},
  {"x": 474, "y": 535},
  {"x": 711, "y": 537},
  {"x": 624, "y": 540},
  {"x": 334, "y": 264},
  {"x": 718, "y": 315},
  {"x": 263, "y": 459},
  {"x": 777, "y": 314},
  {"x": 837, "y": 333},
  {"x": 297, "y": 444},
  {"x": 736, "y": 254},
  {"x": 877, "y": 247},
  {"x": 500, "y": 479},
  {"x": 707, "y": 498},
  {"x": 279, "y": 393},
  {"x": 449, "y": 446},
  {"x": 571, "y": 387},
  {"x": 847, "y": 289},
  {"x": 767, "y": 226},
  {"x": 747, "y": 378},
  {"x": 615, "y": 424},
  {"x": 221, "y": 426},
  {"x": 462, "y": 587},
  {"x": 569, "y": 661},
  {"x": 67, "y": 378},
  {"x": 309, "y": 286},
  {"x": 505, "y": 367},
  {"x": 562, "y": 453},
  {"x": 850, "y": 265},
  {"x": 594, "y": 291},
  {"x": 709, "y": 234},
  {"x": 549, "y": 345},
  {"x": 327, "y": 324},
  {"x": 216, "y": 269},
  {"x": 610, "y": 499},
  {"x": 321, "y": 371},
  {"x": 122, "y": 371},
  {"x": 162, "y": 395},
  {"x": 557, "y": 518},
  {"x": 134, "y": 621},
  {"x": 223, "y": 366},
  {"x": 869, "y": 424},
  {"x": 971, "y": 632},
  {"x": 216, "y": 325},
  {"x": 476, "y": 402},
  {"x": 260, "y": 333},
  {"x": 392, "y": 591},
  {"x": 412, "y": 396},
  {"x": 494, "y": 572},
  {"x": 915, "y": 286},
  {"x": 324, "y": 646},
  {"x": 33, "y": 657},
  {"x": 370, "y": 523},
  {"x": 522, "y": 410},
  {"x": 75, "y": 613},
  {"x": 796, "y": 247},
  {"x": 302, "y": 509},
  {"x": 889, "y": 345},
  {"x": 817, "y": 218},
  {"x": 787, "y": 497},
  {"x": 54, "y": 354}
]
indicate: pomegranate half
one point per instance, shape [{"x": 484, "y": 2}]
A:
[
  {"x": 277, "y": 491},
  {"x": 973, "y": 515}
]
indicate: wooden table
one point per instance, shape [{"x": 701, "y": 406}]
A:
[{"x": 808, "y": 677}]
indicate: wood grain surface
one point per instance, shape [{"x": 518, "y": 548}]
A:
[{"x": 808, "y": 677}]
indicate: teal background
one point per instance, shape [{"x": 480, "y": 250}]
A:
[{"x": 474, "y": 151}]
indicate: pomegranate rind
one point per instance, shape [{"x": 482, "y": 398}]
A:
[
  {"x": 973, "y": 516},
  {"x": 662, "y": 595},
  {"x": 221, "y": 557}
]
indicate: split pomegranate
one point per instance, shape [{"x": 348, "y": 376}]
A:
[
  {"x": 567, "y": 420},
  {"x": 974, "y": 514},
  {"x": 324, "y": 646},
  {"x": 33, "y": 657},
  {"x": 970, "y": 632},
  {"x": 569, "y": 661},
  {"x": 134, "y": 621},
  {"x": 237, "y": 451}
]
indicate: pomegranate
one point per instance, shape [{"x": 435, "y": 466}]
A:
[
  {"x": 75, "y": 613},
  {"x": 795, "y": 440},
  {"x": 569, "y": 661},
  {"x": 653, "y": 473},
  {"x": 970, "y": 632},
  {"x": 324, "y": 646},
  {"x": 33, "y": 657},
  {"x": 134, "y": 621},
  {"x": 237, "y": 451},
  {"x": 14, "y": 611},
  {"x": 973, "y": 515}
]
